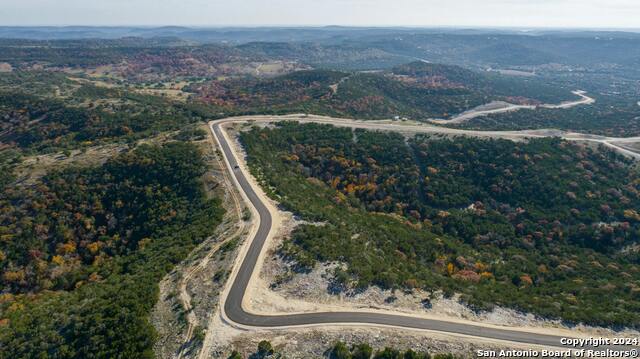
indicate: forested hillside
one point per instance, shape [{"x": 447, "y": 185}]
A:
[
  {"x": 35, "y": 119},
  {"x": 417, "y": 90},
  {"x": 333, "y": 56},
  {"x": 544, "y": 226},
  {"x": 524, "y": 89},
  {"x": 82, "y": 252}
]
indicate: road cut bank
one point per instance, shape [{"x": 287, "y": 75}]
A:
[{"x": 568, "y": 353}]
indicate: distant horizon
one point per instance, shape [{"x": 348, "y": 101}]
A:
[
  {"x": 555, "y": 14},
  {"x": 312, "y": 26}
]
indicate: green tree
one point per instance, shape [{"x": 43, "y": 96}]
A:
[
  {"x": 410, "y": 354},
  {"x": 264, "y": 349},
  {"x": 340, "y": 351},
  {"x": 361, "y": 351},
  {"x": 388, "y": 353}
]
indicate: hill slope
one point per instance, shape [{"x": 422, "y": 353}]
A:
[
  {"x": 417, "y": 90},
  {"x": 458, "y": 215}
]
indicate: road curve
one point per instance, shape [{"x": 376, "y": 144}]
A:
[
  {"x": 234, "y": 311},
  {"x": 482, "y": 110}
]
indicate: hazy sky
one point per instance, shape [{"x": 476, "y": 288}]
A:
[{"x": 515, "y": 13}]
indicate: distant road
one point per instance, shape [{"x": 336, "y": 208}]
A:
[
  {"x": 234, "y": 312},
  {"x": 501, "y": 107}
]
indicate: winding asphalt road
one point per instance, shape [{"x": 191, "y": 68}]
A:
[{"x": 235, "y": 312}]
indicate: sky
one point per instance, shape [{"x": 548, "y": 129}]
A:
[{"x": 426, "y": 13}]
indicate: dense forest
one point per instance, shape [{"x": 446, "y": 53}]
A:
[
  {"x": 82, "y": 252},
  {"x": 544, "y": 226}
]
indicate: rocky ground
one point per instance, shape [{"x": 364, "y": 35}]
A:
[{"x": 315, "y": 342}]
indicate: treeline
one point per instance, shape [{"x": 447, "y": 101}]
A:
[
  {"x": 82, "y": 252},
  {"x": 167, "y": 54},
  {"x": 541, "y": 226}
]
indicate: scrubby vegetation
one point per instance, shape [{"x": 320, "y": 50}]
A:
[
  {"x": 340, "y": 350},
  {"x": 365, "y": 351},
  {"x": 82, "y": 251},
  {"x": 544, "y": 226}
]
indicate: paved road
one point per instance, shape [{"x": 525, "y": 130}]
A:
[{"x": 236, "y": 313}]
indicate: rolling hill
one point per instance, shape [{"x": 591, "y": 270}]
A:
[{"x": 417, "y": 90}]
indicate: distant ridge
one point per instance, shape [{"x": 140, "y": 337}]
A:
[{"x": 277, "y": 33}]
